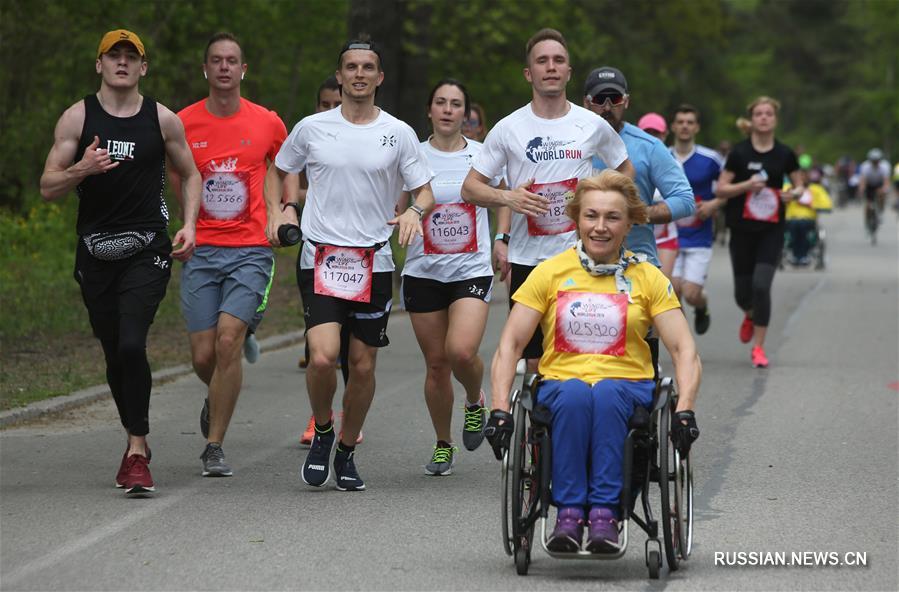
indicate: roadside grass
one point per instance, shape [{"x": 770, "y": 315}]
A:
[{"x": 46, "y": 345}]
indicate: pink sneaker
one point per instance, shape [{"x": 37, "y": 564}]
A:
[
  {"x": 759, "y": 359},
  {"x": 746, "y": 329}
]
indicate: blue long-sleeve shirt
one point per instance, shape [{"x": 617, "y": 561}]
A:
[{"x": 655, "y": 169}]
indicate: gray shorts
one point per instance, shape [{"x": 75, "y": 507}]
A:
[{"x": 235, "y": 280}]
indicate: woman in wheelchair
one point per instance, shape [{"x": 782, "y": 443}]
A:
[{"x": 595, "y": 303}]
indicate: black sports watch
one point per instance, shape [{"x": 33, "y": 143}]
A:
[
  {"x": 296, "y": 207},
  {"x": 503, "y": 236}
]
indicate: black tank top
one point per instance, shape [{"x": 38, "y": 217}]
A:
[{"x": 130, "y": 196}]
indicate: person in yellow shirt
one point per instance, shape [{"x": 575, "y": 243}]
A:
[
  {"x": 802, "y": 216},
  {"x": 594, "y": 303}
]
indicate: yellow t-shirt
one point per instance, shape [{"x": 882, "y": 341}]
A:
[
  {"x": 590, "y": 331},
  {"x": 821, "y": 202}
]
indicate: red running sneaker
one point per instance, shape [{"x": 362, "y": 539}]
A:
[
  {"x": 746, "y": 330},
  {"x": 759, "y": 359},
  {"x": 120, "y": 476},
  {"x": 138, "y": 481}
]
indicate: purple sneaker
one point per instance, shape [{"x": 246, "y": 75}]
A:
[
  {"x": 602, "y": 536},
  {"x": 569, "y": 531}
]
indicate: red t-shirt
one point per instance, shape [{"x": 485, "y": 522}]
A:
[{"x": 231, "y": 154}]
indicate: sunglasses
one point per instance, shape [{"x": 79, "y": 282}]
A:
[{"x": 613, "y": 99}]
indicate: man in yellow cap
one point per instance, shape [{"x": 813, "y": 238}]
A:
[{"x": 111, "y": 148}]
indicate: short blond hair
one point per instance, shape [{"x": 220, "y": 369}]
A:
[{"x": 610, "y": 180}]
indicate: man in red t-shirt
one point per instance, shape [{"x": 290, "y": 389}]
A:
[{"x": 224, "y": 287}]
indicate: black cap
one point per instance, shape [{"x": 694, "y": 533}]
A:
[{"x": 605, "y": 79}]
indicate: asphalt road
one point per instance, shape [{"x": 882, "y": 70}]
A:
[{"x": 801, "y": 457}]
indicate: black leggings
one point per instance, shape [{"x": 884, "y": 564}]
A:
[
  {"x": 121, "y": 299},
  {"x": 754, "y": 256}
]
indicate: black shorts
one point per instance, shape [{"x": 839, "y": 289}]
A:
[
  {"x": 426, "y": 295},
  {"x": 534, "y": 349},
  {"x": 366, "y": 320},
  {"x": 133, "y": 286}
]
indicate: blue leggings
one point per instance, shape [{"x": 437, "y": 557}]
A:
[{"x": 589, "y": 426}]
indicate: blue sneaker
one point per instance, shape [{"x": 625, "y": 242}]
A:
[
  {"x": 345, "y": 470},
  {"x": 317, "y": 467}
]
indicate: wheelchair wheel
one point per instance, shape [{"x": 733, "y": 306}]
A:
[
  {"x": 506, "y": 484},
  {"x": 669, "y": 511},
  {"x": 525, "y": 490},
  {"x": 653, "y": 562},
  {"x": 683, "y": 499}
]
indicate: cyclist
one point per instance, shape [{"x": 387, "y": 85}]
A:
[
  {"x": 873, "y": 185},
  {"x": 595, "y": 379}
]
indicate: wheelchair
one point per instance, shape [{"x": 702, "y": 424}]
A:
[
  {"x": 649, "y": 457},
  {"x": 817, "y": 238}
]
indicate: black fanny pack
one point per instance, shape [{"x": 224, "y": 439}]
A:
[{"x": 114, "y": 246}]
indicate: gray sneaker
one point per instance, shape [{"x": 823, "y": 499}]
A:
[
  {"x": 204, "y": 419},
  {"x": 442, "y": 461},
  {"x": 474, "y": 422},
  {"x": 214, "y": 461},
  {"x": 251, "y": 348}
]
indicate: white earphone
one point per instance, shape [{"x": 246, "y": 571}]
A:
[
  {"x": 242, "y": 74},
  {"x": 204, "y": 75}
]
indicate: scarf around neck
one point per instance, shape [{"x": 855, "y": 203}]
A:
[{"x": 625, "y": 258}]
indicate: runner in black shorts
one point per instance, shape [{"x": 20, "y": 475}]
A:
[
  {"x": 448, "y": 279},
  {"x": 357, "y": 159},
  {"x": 123, "y": 258},
  {"x": 751, "y": 184}
]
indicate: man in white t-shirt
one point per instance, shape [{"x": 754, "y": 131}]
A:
[
  {"x": 358, "y": 159},
  {"x": 547, "y": 146}
]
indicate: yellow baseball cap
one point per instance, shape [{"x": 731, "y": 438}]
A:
[{"x": 117, "y": 36}]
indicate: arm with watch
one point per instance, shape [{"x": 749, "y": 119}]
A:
[
  {"x": 501, "y": 242},
  {"x": 409, "y": 221}
]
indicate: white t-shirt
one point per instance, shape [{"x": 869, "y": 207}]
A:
[
  {"x": 450, "y": 170},
  {"x": 356, "y": 175},
  {"x": 549, "y": 151}
]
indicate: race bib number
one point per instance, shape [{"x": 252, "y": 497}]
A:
[
  {"x": 690, "y": 221},
  {"x": 226, "y": 196},
  {"x": 451, "y": 228},
  {"x": 763, "y": 206},
  {"x": 343, "y": 272},
  {"x": 588, "y": 323},
  {"x": 555, "y": 221}
]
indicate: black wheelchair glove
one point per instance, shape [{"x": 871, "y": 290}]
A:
[
  {"x": 499, "y": 432},
  {"x": 684, "y": 431}
]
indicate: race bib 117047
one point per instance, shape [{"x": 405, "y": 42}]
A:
[{"x": 343, "y": 272}]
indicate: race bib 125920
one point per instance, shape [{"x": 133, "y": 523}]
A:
[{"x": 589, "y": 323}]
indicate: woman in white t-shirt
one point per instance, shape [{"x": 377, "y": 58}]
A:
[{"x": 448, "y": 279}]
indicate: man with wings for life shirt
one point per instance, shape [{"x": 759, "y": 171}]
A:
[{"x": 546, "y": 147}]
